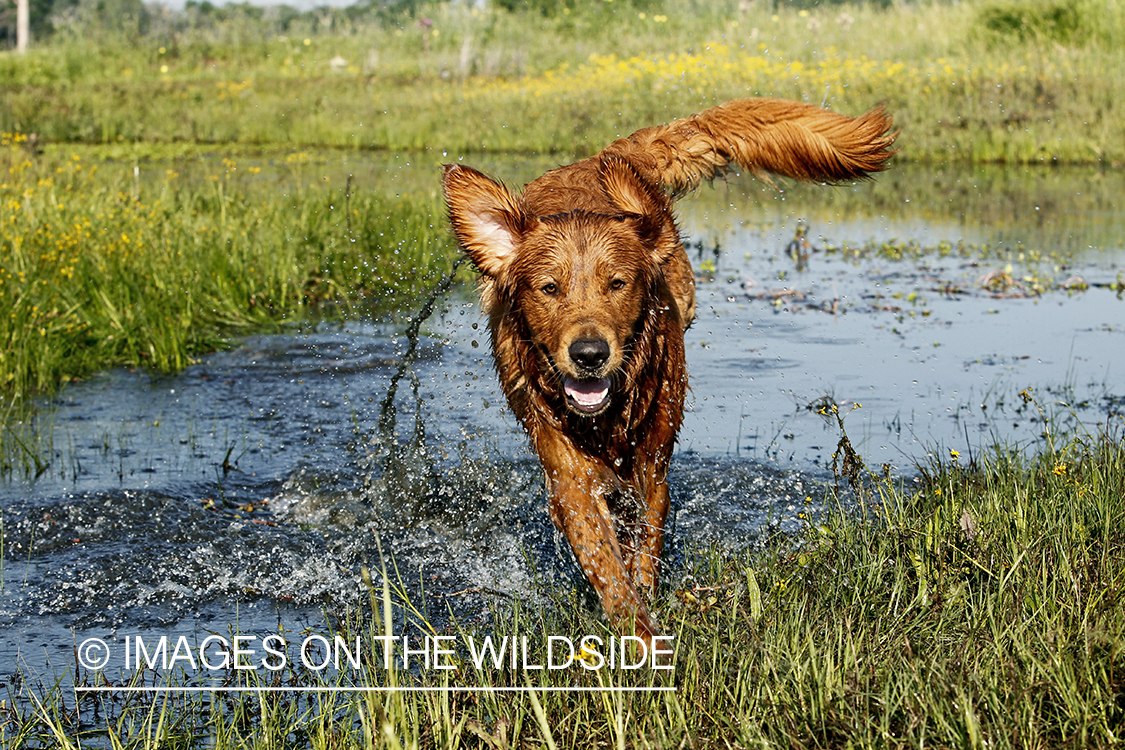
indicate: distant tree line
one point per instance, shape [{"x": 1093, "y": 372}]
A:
[
  {"x": 135, "y": 17},
  {"x": 1058, "y": 20}
]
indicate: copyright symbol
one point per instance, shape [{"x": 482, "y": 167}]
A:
[{"x": 93, "y": 653}]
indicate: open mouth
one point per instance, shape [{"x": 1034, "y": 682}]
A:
[{"x": 587, "y": 396}]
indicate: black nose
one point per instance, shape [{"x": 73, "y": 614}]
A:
[{"x": 589, "y": 354}]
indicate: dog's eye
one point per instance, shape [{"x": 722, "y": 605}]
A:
[
  {"x": 550, "y": 288},
  {"x": 617, "y": 285}
]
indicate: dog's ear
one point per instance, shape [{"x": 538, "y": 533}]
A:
[
  {"x": 627, "y": 189},
  {"x": 641, "y": 202},
  {"x": 486, "y": 218}
]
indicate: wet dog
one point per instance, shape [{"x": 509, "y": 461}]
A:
[{"x": 588, "y": 290}]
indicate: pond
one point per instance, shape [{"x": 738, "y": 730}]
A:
[{"x": 247, "y": 491}]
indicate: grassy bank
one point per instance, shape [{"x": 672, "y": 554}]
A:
[
  {"x": 980, "y": 606},
  {"x": 990, "y": 80},
  {"x": 101, "y": 269}
]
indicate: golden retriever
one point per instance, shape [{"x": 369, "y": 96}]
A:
[{"x": 588, "y": 290}]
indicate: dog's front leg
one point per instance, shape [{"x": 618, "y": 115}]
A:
[
  {"x": 577, "y": 488},
  {"x": 648, "y": 533}
]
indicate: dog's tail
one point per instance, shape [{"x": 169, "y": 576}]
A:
[{"x": 777, "y": 136}]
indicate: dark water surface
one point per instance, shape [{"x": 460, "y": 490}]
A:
[{"x": 246, "y": 491}]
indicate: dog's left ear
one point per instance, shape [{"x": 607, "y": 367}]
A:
[
  {"x": 642, "y": 203},
  {"x": 486, "y": 218}
]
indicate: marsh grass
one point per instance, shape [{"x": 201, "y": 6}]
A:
[
  {"x": 99, "y": 270},
  {"x": 980, "y": 604},
  {"x": 27, "y": 444},
  {"x": 1013, "y": 82}
]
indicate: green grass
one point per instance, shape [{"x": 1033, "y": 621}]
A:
[
  {"x": 100, "y": 269},
  {"x": 989, "y": 80},
  {"x": 978, "y": 606}
]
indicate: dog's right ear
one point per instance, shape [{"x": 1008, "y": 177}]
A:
[{"x": 486, "y": 218}]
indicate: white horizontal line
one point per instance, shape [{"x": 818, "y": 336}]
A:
[{"x": 403, "y": 689}]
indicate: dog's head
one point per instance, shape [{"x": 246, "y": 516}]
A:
[{"x": 581, "y": 279}]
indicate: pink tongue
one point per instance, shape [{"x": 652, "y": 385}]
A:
[{"x": 587, "y": 392}]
